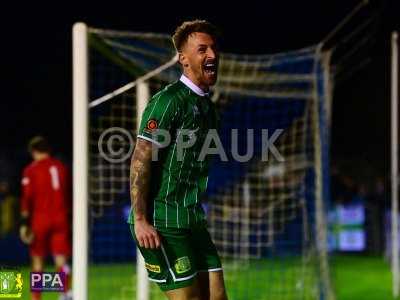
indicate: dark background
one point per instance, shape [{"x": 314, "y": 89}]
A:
[{"x": 36, "y": 72}]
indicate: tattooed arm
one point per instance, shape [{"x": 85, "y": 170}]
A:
[
  {"x": 140, "y": 177},
  {"x": 140, "y": 174}
]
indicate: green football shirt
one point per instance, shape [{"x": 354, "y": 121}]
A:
[{"x": 178, "y": 177}]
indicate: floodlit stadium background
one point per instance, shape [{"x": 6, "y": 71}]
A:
[{"x": 359, "y": 141}]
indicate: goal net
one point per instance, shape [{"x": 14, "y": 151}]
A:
[{"x": 266, "y": 214}]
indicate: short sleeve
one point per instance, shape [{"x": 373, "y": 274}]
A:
[{"x": 159, "y": 115}]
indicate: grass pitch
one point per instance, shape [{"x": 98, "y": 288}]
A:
[{"x": 354, "y": 278}]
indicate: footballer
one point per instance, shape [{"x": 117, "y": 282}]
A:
[
  {"x": 167, "y": 220},
  {"x": 45, "y": 211}
]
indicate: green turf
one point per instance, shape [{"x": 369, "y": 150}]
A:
[
  {"x": 354, "y": 278},
  {"x": 361, "y": 277}
]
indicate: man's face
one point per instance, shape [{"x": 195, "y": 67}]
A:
[
  {"x": 199, "y": 57},
  {"x": 37, "y": 155}
]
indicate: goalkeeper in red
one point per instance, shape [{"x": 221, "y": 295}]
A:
[
  {"x": 45, "y": 208},
  {"x": 167, "y": 220}
]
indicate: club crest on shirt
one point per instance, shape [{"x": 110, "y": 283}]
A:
[
  {"x": 195, "y": 110},
  {"x": 186, "y": 134},
  {"x": 151, "y": 125}
]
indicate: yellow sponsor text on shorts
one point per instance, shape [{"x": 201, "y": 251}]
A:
[{"x": 153, "y": 268}]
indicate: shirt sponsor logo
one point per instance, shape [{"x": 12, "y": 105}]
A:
[
  {"x": 182, "y": 265},
  {"x": 196, "y": 110},
  {"x": 153, "y": 268}
]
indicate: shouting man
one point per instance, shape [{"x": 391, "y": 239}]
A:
[{"x": 167, "y": 220}]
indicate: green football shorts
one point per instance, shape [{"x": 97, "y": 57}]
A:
[{"x": 183, "y": 253}]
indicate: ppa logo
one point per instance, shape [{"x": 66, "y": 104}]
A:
[{"x": 48, "y": 281}]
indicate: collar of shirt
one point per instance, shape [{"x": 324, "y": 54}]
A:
[{"x": 186, "y": 81}]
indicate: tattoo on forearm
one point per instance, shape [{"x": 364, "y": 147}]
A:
[{"x": 140, "y": 172}]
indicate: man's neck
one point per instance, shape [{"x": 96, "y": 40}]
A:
[
  {"x": 191, "y": 83},
  {"x": 41, "y": 156}
]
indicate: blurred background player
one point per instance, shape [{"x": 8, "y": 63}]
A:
[{"x": 45, "y": 210}]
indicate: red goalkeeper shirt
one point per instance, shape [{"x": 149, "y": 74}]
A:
[{"x": 45, "y": 190}]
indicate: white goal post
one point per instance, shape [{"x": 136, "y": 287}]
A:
[
  {"x": 142, "y": 283},
  {"x": 80, "y": 158},
  {"x": 394, "y": 165},
  {"x": 80, "y": 174}
]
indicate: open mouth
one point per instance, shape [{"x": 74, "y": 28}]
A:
[{"x": 210, "y": 68}]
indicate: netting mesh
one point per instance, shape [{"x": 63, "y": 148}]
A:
[{"x": 266, "y": 216}]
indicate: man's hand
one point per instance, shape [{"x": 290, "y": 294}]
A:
[
  {"x": 146, "y": 235},
  {"x": 26, "y": 234}
]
